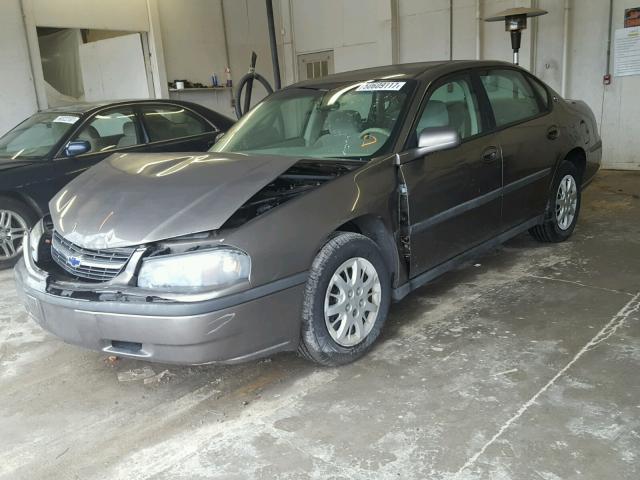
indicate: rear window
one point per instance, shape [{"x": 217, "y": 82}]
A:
[
  {"x": 511, "y": 96},
  {"x": 166, "y": 122},
  {"x": 541, "y": 90}
]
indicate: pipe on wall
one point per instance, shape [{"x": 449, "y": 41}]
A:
[
  {"x": 609, "y": 37},
  {"x": 478, "y": 30},
  {"x": 450, "y": 29},
  {"x": 533, "y": 50},
  {"x": 274, "y": 45},
  {"x": 395, "y": 32},
  {"x": 565, "y": 47}
]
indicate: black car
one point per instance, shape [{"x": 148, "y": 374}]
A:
[{"x": 46, "y": 151}]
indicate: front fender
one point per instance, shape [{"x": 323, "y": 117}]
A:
[{"x": 285, "y": 240}]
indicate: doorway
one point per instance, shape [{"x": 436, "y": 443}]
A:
[{"x": 83, "y": 65}]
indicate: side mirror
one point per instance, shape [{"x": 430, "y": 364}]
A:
[
  {"x": 77, "y": 147},
  {"x": 436, "y": 139}
]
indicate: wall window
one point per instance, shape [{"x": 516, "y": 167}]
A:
[
  {"x": 453, "y": 105},
  {"x": 511, "y": 96},
  {"x": 166, "y": 122},
  {"x": 117, "y": 128}
]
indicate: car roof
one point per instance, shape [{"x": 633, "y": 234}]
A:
[
  {"x": 403, "y": 71},
  {"x": 86, "y": 107}
]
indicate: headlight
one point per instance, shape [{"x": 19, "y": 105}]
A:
[
  {"x": 215, "y": 269},
  {"x": 33, "y": 240}
]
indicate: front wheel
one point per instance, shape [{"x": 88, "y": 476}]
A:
[
  {"x": 563, "y": 207},
  {"x": 15, "y": 220},
  {"x": 346, "y": 300}
]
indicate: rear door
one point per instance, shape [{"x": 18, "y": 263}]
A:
[
  {"x": 454, "y": 195},
  {"x": 528, "y": 136},
  {"x": 174, "y": 128}
]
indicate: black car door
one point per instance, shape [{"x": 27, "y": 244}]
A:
[
  {"x": 529, "y": 140},
  {"x": 454, "y": 195},
  {"x": 108, "y": 131},
  {"x": 175, "y": 128}
]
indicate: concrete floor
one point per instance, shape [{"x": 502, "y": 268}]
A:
[{"x": 523, "y": 365}]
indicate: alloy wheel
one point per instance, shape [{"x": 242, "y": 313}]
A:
[
  {"x": 566, "y": 202},
  {"x": 352, "y": 301},
  {"x": 12, "y": 230}
]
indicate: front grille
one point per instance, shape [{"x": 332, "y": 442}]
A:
[{"x": 96, "y": 265}]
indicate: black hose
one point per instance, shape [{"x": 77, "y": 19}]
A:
[
  {"x": 247, "y": 97},
  {"x": 247, "y": 81}
]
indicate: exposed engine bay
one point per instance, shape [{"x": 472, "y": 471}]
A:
[{"x": 302, "y": 177}]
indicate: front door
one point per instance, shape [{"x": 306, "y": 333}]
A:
[
  {"x": 109, "y": 131},
  {"x": 454, "y": 195}
]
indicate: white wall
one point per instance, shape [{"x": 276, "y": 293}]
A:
[
  {"x": 17, "y": 95},
  {"x": 128, "y": 15},
  {"x": 247, "y": 31},
  {"x": 358, "y": 31},
  {"x": 621, "y": 107},
  {"x": 193, "y": 39}
]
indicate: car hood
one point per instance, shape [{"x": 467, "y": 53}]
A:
[{"x": 131, "y": 199}]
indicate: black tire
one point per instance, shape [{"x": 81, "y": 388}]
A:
[
  {"x": 550, "y": 231},
  {"x": 26, "y": 213},
  {"x": 316, "y": 343}
]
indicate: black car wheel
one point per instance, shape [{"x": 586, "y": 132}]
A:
[
  {"x": 346, "y": 300},
  {"x": 15, "y": 219},
  {"x": 563, "y": 207}
]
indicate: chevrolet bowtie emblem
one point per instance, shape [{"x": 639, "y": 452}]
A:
[{"x": 74, "y": 261}]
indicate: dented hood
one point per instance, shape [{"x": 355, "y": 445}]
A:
[{"x": 130, "y": 199}]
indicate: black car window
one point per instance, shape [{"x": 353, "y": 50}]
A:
[
  {"x": 111, "y": 129},
  {"x": 452, "y": 104},
  {"x": 512, "y": 98},
  {"x": 166, "y": 122}
]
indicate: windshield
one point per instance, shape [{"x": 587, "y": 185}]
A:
[
  {"x": 36, "y": 136},
  {"x": 354, "y": 121}
]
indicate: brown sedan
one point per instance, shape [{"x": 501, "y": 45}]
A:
[{"x": 327, "y": 201}]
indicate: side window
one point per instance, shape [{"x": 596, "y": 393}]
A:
[
  {"x": 111, "y": 129},
  {"x": 511, "y": 96},
  {"x": 166, "y": 122},
  {"x": 541, "y": 90},
  {"x": 453, "y": 104}
]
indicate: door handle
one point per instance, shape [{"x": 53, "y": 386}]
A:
[
  {"x": 553, "y": 133},
  {"x": 490, "y": 155}
]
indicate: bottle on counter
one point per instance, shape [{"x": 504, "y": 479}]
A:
[{"x": 227, "y": 72}]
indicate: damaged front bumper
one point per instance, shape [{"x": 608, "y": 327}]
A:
[{"x": 232, "y": 328}]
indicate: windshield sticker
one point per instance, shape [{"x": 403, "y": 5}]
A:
[
  {"x": 66, "y": 119},
  {"x": 380, "y": 86}
]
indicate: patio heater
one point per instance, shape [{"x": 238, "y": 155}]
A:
[{"x": 515, "y": 20}]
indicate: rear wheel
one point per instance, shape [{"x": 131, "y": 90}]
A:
[
  {"x": 346, "y": 301},
  {"x": 15, "y": 219},
  {"x": 563, "y": 207}
]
